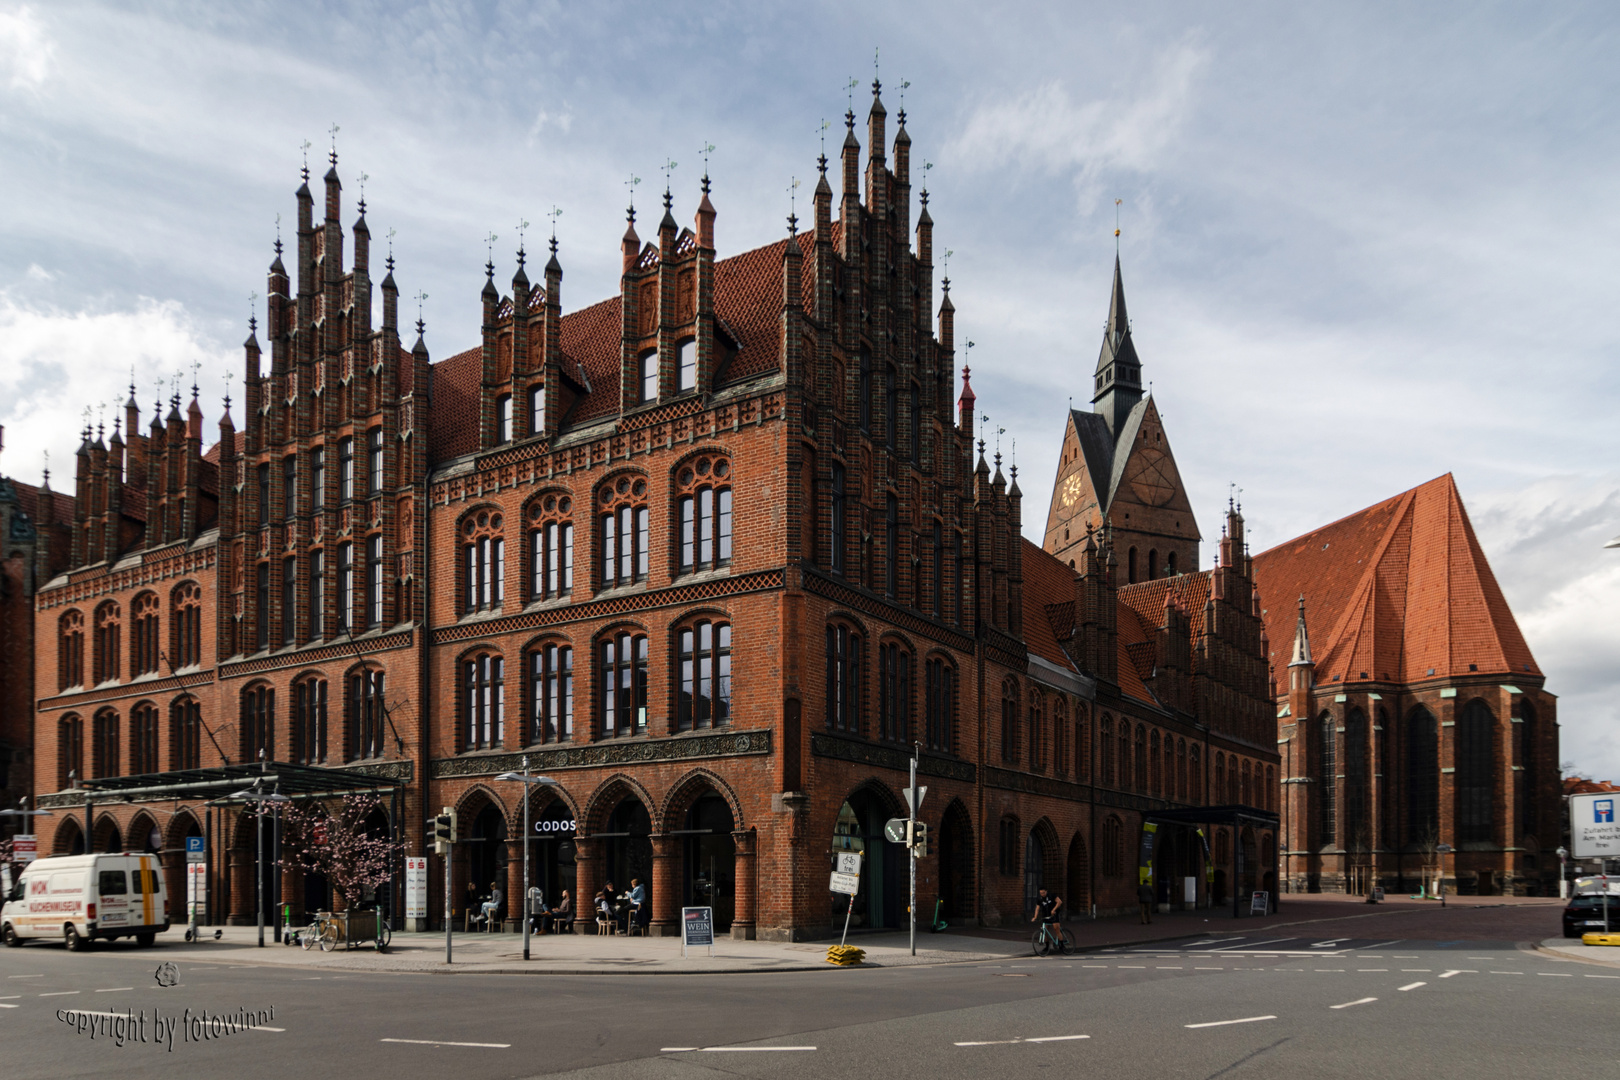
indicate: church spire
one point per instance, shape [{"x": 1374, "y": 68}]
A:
[
  {"x": 1117, "y": 384},
  {"x": 1302, "y": 641}
]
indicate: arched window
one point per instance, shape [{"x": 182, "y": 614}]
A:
[
  {"x": 1155, "y": 769},
  {"x": 1219, "y": 788},
  {"x": 625, "y": 531},
  {"x": 1153, "y": 563},
  {"x": 483, "y": 709},
  {"x": 703, "y": 504},
  {"x": 1195, "y": 775},
  {"x": 1126, "y": 772},
  {"x": 367, "y": 716},
  {"x": 1141, "y": 758},
  {"x": 1269, "y": 799},
  {"x": 185, "y": 733},
  {"x": 551, "y": 693},
  {"x": 1009, "y": 722},
  {"x": 108, "y": 623},
  {"x": 537, "y": 410},
  {"x": 704, "y": 663},
  {"x": 864, "y": 391},
  {"x": 894, "y": 694},
  {"x": 647, "y": 371},
  {"x": 345, "y": 468},
  {"x": 258, "y": 724},
  {"x": 1246, "y": 797},
  {"x": 1169, "y": 564},
  {"x": 835, "y": 520},
  {"x": 1060, "y": 735},
  {"x": 551, "y": 547},
  {"x": 1327, "y": 762},
  {"x": 891, "y": 546},
  {"x": 1181, "y": 770},
  {"x": 1130, "y": 566},
  {"x": 1037, "y": 730},
  {"x": 1357, "y": 783},
  {"x": 309, "y": 722},
  {"x": 345, "y": 589},
  {"x": 483, "y": 561},
  {"x": 70, "y": 649},
  {"x": 143, "y": 739},
  {"x": 891, "y": 408},
  {"x": 843, "y": 678},
  {"x": 1476, "y": 772},
  {"x": 1113, "y": 847},
  {"x": 185, "y": 624},
  {"x": 624, "y": 684},
  {"x": 1082, "y": 743},
  {"x": 104, "y": 745},
  {"x": 374, "y": 454},
  {"x": 1422, "y": 778},
  {"x": 1105, "y": 743},
  {"x": 503, "y": 418},
  {"x": 69, "y": 751},
  {"x": 941, "y": 704},
  {"x": 143, "y": 653},
  {"x": 1526, "y": 791},
  {"x": 685, "y": 365}
]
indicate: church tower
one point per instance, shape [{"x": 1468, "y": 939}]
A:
[{"x": 1116, "y": 469}]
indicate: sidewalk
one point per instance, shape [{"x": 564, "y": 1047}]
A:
[
  {"x": 1572, "y": 949},
  {"x": 1306, "y": 915}
]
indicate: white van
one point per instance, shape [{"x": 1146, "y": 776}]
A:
[{"x": 79, "y": 898}]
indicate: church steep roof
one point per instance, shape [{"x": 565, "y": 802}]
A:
[{"x": 1400, "y": 591}]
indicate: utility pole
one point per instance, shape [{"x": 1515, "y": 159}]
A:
[{"x": 911, "y": 830}]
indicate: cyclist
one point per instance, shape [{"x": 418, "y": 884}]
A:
[{"x": 1046, "y": 910}]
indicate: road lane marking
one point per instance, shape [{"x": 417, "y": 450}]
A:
[
  {"x": 1169, "y": 967},
  {"x": 1414, "y": 986},
  {"x": 1358, "y": 1001},
  {"x": 1603, "y": 976},
  {"x": 1372, "y": 969},
  {"x": 59, "y": 993},
  {"x": 8, "y": 997},
  {"x": 1223, "y": 1023},
  {"x": 675, "y": 1049},
  {"x": 1330, "y": 969},
  {"x": 446, "y": 1042},
  {"x": 1209, "y": 969},
  {"x": 1458, "y": 971},
  {"x": 1555, "y": 975},
  {"x": 114, "y": 989},
  {"x": 1254, "y": 944},
  {"x": 5, "y": 1006},
  {"x": 25, "y": 976},
  {"x": 1133, "y": 967},
  {"x": 1008, "y": 1042},
  {"x": 1507, "y": 973},
  {"x": 1417, "y": 971},
  {"x": 1094, "y": 965},
  {"x": 1385, "y": 944}
]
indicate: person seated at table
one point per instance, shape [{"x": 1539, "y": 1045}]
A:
[
  {"x": 561, "y": 915},
  {"x": 492, "y": 906},
  {"x": 638, "y": 902},
  {"x": 604, "y": 908},
  {"x": 471, "y": 901}
]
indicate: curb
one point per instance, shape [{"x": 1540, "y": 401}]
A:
[{"x": 1566, "y": 954}]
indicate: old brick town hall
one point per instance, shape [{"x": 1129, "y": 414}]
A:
[{"x": 715, "y": 553}]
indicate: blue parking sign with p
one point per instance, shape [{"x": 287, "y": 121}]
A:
[
  {"x": 1603, "y": 811},
  {"x": 194, "y": 845}
]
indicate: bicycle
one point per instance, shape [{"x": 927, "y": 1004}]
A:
[
  {"x": 1046, "y": 939},
  {"x": 325, "y": 931}
]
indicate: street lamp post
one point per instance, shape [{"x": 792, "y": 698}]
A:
[
  {"x": 528, "y": 781},
  {"x": 255, "y": 794},
  {"x": 1563, "y": 873}
]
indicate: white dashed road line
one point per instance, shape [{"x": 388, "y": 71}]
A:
[
  {"x": 1224, "y": 1023},
  {"x": 3, "y": 1005},
  {"x": 446, "y": 1042},
  {"x": 1507, "y": 973},
  {"x": 114, "y": 989},
  {"x": 25, "y": 976},
  {"x": 59, "y": 993},
  {"x": 1414, "y": 986},
  {"x": 680, "y": 1049},
  {"x": 1006, "y": 1042},
  {"x": 1555, "y": 975},
  {"x": 1358, "y": 1001},
  {"x": 1603, "y": 976},
  {"x": 1372, "y": 969},
  {"x": 1458, "y": 971}
]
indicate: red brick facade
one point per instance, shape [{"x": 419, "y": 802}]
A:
[{"x": 715, "y": 554}]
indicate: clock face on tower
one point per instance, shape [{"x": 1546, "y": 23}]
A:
[
  {"x": 1069, "y": 494},
  {"x": 1153, "y": 479}
]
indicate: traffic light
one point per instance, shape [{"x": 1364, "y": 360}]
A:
[
  {"x": 919, "y": 840},
  {"x": 444, "y": 831}
]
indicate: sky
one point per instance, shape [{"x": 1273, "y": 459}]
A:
[{"x": 1363, "y": 245}]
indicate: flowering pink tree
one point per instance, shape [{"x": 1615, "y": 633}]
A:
[{"x": 337, "y": 843}]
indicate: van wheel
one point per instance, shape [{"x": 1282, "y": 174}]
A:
[
  {"x": 75, "y": 942},
  {"x": 9, "y": 936},
  {"x": 145, "y": 941}
]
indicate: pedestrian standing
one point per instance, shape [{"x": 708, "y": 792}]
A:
[{"x": 1144, "y": 896}]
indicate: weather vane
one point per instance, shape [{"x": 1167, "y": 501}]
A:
[
  {"x": 630, "y": 186},
  {"x": 304, "y": 146},
  {"x": 391, "y": 249},
  {"x": 825, "y": 124},
  {"x": 669, "y": 167},
  {"x": 334, "y": 130},
  {"x": 875, "y": 51},
  {"x": 556, "y": 212},
  {"x": 904, "y": 82},
  {"x": 363, "y": 178},
  {"x": 522, "y": 225},
  {"x": 948, "y": 253},
  {"x": 708, "y": 148},
  {"x": 1116, "y": 225},
  {"x": 849, "y": 87},
  {"x": 489, "y": 246},
  {"x": 793, "y": 196},
  {"x": 421, "y": 297}
]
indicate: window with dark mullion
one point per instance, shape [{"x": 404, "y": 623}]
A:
[
  {"x": 704, "y": 699},
  {"x": 891, "y": 547},
  {"x": 374, "y": 581},
  {"x": 317, "y": 478},
  {"x": 484, "y": 704},
  {"x": 835, "y": 521},
  {"x": 345, "y": 588},
  {"x": 261, "y": 617},
  {"x": 844, "y": 698},
  {"x": 624, "y": 685},
  {"x": 894, "y": 696},
  {"x": 551, "y": 693},
  {"x": 345, "y": 469},
  {"x": 289, "y": 487},
  {"x": 374, "y": 460},
  {"x": 289, "y": 598},
  {"x": 264, "y": 494},
  {"x": 317, "y": 595},
  {"x": 891, "y": 409}
]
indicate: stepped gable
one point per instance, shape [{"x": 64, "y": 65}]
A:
[
  {"x": 1189, "y": 592},
  {"x": 1399, "y": 592}
]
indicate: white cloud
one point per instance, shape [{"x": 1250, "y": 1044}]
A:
[
  {"x": 1045, "y": 128},
  {"x": 54, "y": 364},
  {"x": 26, "y": 49},
  {"x": 560, "y": 121},
  {"x": 37, "y": 272}
]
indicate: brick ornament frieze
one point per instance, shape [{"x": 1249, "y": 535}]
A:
[
  {"x": 842, "y": 594},
  {"x": 658, "y": 429},
  {"x": 612, "y": 753},
  {"x": 1031, "y": 784},
  {"x": 713, "y": 589},
  {"x": 154, "y": 568},
  {"x": 304, "y": 657},
  {"x": 165, "y": 686},
  {"x": 860, "y": 752}
]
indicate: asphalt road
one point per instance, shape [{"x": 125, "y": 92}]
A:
[{"x": 1266, "y": 1005}]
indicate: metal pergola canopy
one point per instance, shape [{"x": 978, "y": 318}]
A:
[
  {"x": 1215, "y": 815},
  {"x": 220, "y": 782}
]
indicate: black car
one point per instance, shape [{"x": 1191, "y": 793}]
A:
[{"x": 1584, "y": 915}]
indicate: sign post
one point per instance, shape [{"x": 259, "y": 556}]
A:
[
  {"x": 1594, "y": 833},
  {"x": 416, "y": 884},
  {"x": 914, "y": 798},
  {"x": 196, "y": 879},
  {"x": 697, "y": 928},
  {"x": 846, "y": 880}
]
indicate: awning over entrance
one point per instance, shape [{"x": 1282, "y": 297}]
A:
[
  {"x": 1236, "y": 816},
  {"x": 307, "y": 781}
]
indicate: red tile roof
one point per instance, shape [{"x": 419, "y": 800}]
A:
[
  {"x": 1048, "y": 605},
  {"x": 1400, "y": 591},
  {"x": 1133, "y": 633},
  {"x": 747, "y": 300},
  {"x": 212, "y": 456},
  {"x": 43, "y": 507},
  {"x": 1189, "y": 592}
]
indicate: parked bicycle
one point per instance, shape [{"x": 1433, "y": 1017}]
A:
[{"x": 328, "y": 931}]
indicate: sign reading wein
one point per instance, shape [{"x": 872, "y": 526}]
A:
[
  {"x": 1594, "y": 832},
  {"x": 697, "y": 928}
]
